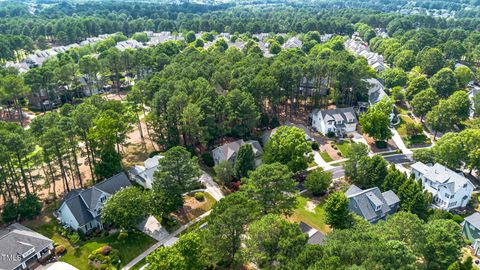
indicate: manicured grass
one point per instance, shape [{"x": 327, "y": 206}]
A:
[
  {"x": 326, "y": 157},
  {"x": 315, "y": 219},
  {"x": 140, "y": 264},
  {"x": 188, "y": 213},
  {"x": 419, "y": 139},
  {"x": 129, "y": 248},
  {"x": 77, "y": 255},
  {"x": 344, "y": 147}
]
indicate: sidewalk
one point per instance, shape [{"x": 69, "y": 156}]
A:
[
  {"x": 399, "y": 142},
  {"x": 164, "y": 240}
]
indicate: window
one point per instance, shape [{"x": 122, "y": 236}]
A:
[
  {"x": 447, "y": 196},
  {"x": 465, "y": 185},
  {"x": 378, "y": 207}
]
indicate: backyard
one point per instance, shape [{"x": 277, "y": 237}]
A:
[
  {"x": 77, "y": 254},
  {"x": 310, "y": 210}
]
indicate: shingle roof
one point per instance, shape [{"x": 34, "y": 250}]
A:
[
  {"x": 474, "y": 220},
  {"x": 315, "y": 237},
  {"x": 364, "y": 202},
  {"x": 390, "y": 197},
  {"x": 344, "y": 114},
  {"x": 17, "y": 240},
  {"x": 443, "y": 175},
  {"x": 82, "y": 204}
]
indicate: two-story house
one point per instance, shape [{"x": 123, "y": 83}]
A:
[
  {"x": 143, "y": 175},
  {"x": 22, "y": 248},
  {"x": 372, "y": 204},
  {"x": 450, "y": 190},
  {"x": 339, "y": 121},
  {"x": 229, "y": 151},
  {"x": 80, "y": 209}
]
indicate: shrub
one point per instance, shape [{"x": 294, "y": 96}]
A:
[
  {"x": 339, "y": 153},
  {"x": 10, "y": 212},
  {"x": 105, "y": 250},
  {"x": 60, "y": 250},
  {"x": 73, "y": 237},
  {"x": 199, "y": 196},
  {"x": 315, "y": 146},
  {"x": 153, "y": 153},
  {"x": 330, "y": 134},
  {"x": 335, "y": 146},
  {"x": 122, "y": 235},
  {"x": 208, "y": 159},
  {"x": 381, "y": 144},
  {"x": 457, "y": 218},
  {"x": 274, "y": 122}
]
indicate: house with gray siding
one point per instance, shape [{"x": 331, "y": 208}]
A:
[
  {"x": 471, "y": 231},
  {"x": 372, "y": 204},
  {"x": 229, "y": 151},
  {"x": 22, "y": 248},
  {"x": 80, "y": 209}
]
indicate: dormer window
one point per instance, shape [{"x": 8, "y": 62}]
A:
[{"x": 378, "y": 207}]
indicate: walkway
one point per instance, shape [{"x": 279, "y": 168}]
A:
[
  {"x": 164, "y": 240},
  {"x": 399, "y": 142}
]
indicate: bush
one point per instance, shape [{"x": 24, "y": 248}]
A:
[
  {"x": 457, "y": 218},
  {"x": 60, "y": 250},
  {"x": 73, "y": 237},
  {"x": 318, "y": 181},
  {"x": 339, "y": 153},
  {"x": 153, "y": 153},
  {"x": 122, "y": 235},
  {"x": 381, "y": 144},
  {"x": 274, "y": 122},
  {"x": 10, "y": 212},
  {"x": 105, "y": 250},
  {"x": 315, "y": 146},
  {"x": 208, "y": 159},
  {"x": 330, "y": 134},
  {"x": 199, "y": 196}
]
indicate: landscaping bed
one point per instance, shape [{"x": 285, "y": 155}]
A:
[
  {"x": 417, "y": 140},
  {"x": 77, "y": 253},
  {"x": 194, "y": 208},
  {"x": 325, "y": 156}
]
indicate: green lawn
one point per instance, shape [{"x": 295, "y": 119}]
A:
[
  {"x": 77, "y": 255},
  {"x": 410, "y": 140},
  {"x": 325, "y": 156},
  {"x": 344, "y": 147},
  {"x": 315, "y": 219},
  {"x": 140, "y": 264}
]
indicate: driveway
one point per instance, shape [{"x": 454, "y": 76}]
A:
[
  {"x": 212, "y": 187},
  {"x": 152, "y": 227}
]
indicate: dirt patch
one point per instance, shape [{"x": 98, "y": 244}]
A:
[{"x": 310, "y": 205}]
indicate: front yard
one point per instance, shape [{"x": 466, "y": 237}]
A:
[
  {"x": 413, "y": 140},
  {"x": 194, "y": 208},
  {"x": 77, "y": 254},
  {"x": 310, "y": 210}
]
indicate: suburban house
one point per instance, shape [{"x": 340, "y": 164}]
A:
[
  {"x": 471, "y": 231},
  {"x": 360, "y": 48},
  {"x": 80, "y": 209},
  {"x": 371, "y": 203},
  {"x": 22, "y": 248},
  {"x": 292, "y": 43},
  {"x": 269, "y": 133},
  {"x": 376, "y": 91},
  {"x": 339, "y": 121},
  {"x": 143, "y": 175},
  {"x": 229, "y": 151},
  {"x": 450, "y": 190},
  {"x": 315, "y": 237}
]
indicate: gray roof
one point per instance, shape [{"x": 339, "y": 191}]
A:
[
  {"x": 315, "y": 237},
  {"x": 82, "y": 204},
  {"x": 337, "y": 114},
  {"x": 390, "y": 197},
  {"x": 365, "y": 202},
  {"x": 257, "y": 149},
  {"x": 229, "y": 149},
  {"x": 442, "y": 175},
  {"x": 474, "y": 220},
  {"x": 17, "y": 240}
]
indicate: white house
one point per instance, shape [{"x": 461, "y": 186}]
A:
[
  {"x": 80, "y": 209},
  {"x": 450, "y": 190},
  {"x": 229, "y": 151},
  {"x": 143, "y": 175},
  {"x": 376, "y": 91},
  {"x": 339, "y": 121}
]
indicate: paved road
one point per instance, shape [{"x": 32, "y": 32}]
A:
[
  {"x": 398, "y": 159},
  {"x": 337, "y": 172}
]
